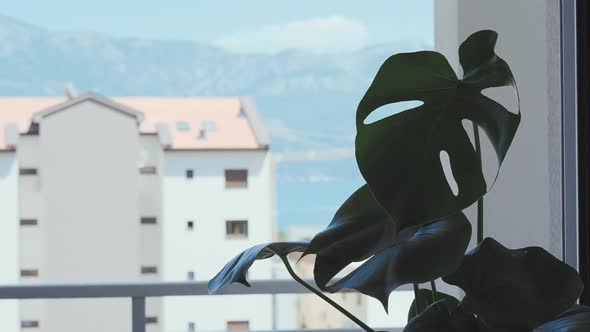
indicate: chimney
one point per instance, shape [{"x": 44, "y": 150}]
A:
[{"x": 70, "y": 91}]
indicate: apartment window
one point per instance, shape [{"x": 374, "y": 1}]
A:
[
  {"x": 236, "y": 178},
  {"x": 236, "y": 228},
  {"x": 149, "y": 269},
  {"x": 190, "y": 225},
  {"x": 238, "y": 325},
  {"x": 147, "y": 170},
  {"x": 28, "y": 222},
  {"x": 151, "y": 320},
  {"x": 27, "y": 171},
  {"x": 189, "y": 173},
  {"x": 190, "y": 275},
  {"x": 149, "y": 220},
  {"x": 191, "y": 326},
  {"x": 209, "y": 126},
  {"x": 28, "y": 324},
  {"x": 29, "y": 273}
]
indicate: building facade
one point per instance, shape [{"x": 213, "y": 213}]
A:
[{"x": 132, "y": 189}]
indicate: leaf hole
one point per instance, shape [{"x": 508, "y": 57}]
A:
[
  {"x": 391, "y": 109},
  {"x": 503, "y": 95},
  {"x": 445, "y": 162},
  {"x": 468, "y": 127}
]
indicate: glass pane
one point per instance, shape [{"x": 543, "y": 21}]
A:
[{"x": 241, "y": 117}]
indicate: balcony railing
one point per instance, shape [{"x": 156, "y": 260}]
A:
[{"x": 138, "y": 292}]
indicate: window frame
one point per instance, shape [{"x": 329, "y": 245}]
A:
[
  {"x": 230, "y": 235},
  {"x": 575, "y": 50},
  {"x": 149, "y": 270},
  {"x": 29, "y": 273},
  {"x": 28, "y": 222},
  {"x": 28, "y": 171},
  {"x": 148, "y": 170},
  {"x": 148, "y": 220},
  {"x": 236, "y": 184}
]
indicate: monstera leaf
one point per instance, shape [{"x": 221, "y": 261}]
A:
[
  {"x": 442, "y": 316},
  {"x": 236, "y": 269},
  {"x": 399, "y": 156},
  {"x": 516, "y": 289},
  {"x": 577, "y": 319},
  {"x": 359, "y": 229},
  {"x": 435, "y": 250},
  {"x": 425, "y": 299}
]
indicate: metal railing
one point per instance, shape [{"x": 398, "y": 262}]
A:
[{"x": 138, "y": 292}]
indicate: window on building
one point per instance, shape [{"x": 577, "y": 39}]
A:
[
  {"x": 147, "y": 170},
  {"x": 149, "y": 220},
  {"x": 191, "y": 326},
  {"x": 29, "y": 273},
  {"x": 236, "y": 178},
  {"x": 189, "y": 173},
  {"x": 28, "y": 222},
  {"x": 28, "y": 324},
  {"x": 151, "y": 320},
  {"x": 190, "y": 225},
  {"x": 190, "y": 275},
  {"x": 183, "y": 126},
  {"x": 238, "y": 325},
  {"x": 236, "y": 228},
  {"x": 149, "y": 269},
  {"x": 209, "y": 125},
  {"x": 27, "y": 171}
]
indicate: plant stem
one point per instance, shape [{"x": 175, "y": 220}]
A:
[
  {"x": 324, "y": 297},
  {"x": 479, "y": 201},
  {"x": 417, "y": 299},
  {"x": 434, "y": 295}
]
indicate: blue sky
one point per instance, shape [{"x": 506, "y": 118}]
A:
[{"x": 261, "y": 26}]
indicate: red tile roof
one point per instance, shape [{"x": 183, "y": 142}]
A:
[{"x": 228, "y": 123}]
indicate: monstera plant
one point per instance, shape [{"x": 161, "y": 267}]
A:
[{"x": 406, "y": 222}]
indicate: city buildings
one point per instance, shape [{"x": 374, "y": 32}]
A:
[{"x": 132, "y": 189}]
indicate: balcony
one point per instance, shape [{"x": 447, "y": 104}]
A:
[{"x": 138, "y": 292}]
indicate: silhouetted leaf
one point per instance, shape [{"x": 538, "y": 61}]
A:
[
  {"x": 399, "y": 156},
  {"x": 236, "y": 269},
  {"x": 573, "y": 310},
  {"x": 519, "y": 288},
  {"x": 425, "y": 300},
  {"x": 576, "y": 319},
  {"x": 442, "y": 317},
  {"x": 359, "y": 228},
  {"x": 435, "y": 250}
]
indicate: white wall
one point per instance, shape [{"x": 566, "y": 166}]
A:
[
  {"x": 524, "y": 207},
  {"x": 89, "y": 181},
  {"x": 205, "y": 200},
  {"x": 150, "y": 204},
  {"x": 399, "y": 305},
  {"x": 9, "y": 272}
]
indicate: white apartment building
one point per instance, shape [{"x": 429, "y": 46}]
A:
[{"x": 94, "y": 189}]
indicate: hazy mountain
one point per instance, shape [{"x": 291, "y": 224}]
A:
[{"x": 307, "y": 100}]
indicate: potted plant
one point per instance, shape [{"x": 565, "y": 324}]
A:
[{"x": 407, "y": 221}]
